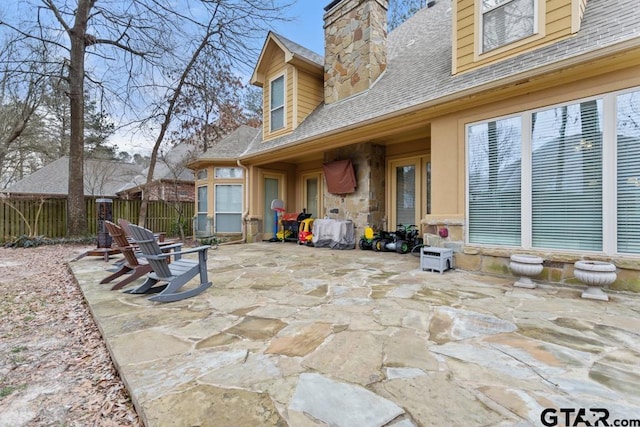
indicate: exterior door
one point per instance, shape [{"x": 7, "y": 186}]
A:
[
  {"x": 410, "y": 179},
  {"x": 312, "y": 194},
  {"x": 271, "y": 192}
]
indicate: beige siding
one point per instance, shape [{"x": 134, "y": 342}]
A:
[
  {"x": 557, "y": 24},
  {"x": 310, "y": 92},
  {"x": 465, "y": 33},
  {"x": 278, "y": 67}
]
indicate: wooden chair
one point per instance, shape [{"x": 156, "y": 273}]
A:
[
  {"x": 176, "y": 274},
  {"x": 124, "y": 224},
  {"x": 137, "y": 268}
]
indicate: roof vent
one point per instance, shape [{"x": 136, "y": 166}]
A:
[{"x": 431, "y": 3}]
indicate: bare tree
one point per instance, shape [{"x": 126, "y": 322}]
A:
[
  {"x": 225, "y": 37},
  {"x": 21, "y": 93},
  {"x": 401, "y": 10},
  {"x": 139, "y": 52}
]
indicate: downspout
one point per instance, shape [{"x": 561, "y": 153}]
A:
[{"x": 245, "y": 212}]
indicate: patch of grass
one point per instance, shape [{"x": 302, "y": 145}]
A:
[
  {"x": 18, "y": 349},
  {"x": 10, "y": 389},
  {"x": 25, "y": 241},
  {"x": 29, "y": 318}
]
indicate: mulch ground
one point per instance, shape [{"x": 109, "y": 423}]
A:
[{"x": 54, "y": 367}]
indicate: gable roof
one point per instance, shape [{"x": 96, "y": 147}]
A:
[
  {"x": 418, "y": 73},
  {"x": 294, "y": 54},
  {"x": 169, "y": 167},
  {"x": 101, "y": 178},
  {"x": 233, "y": 145}
]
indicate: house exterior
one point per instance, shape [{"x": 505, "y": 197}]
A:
[
  {"x": 102, "y": 178},
  {"x": 498, "y": 126},
  {"x": 172, "y": 180}
]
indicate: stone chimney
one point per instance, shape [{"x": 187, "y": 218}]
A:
[{"x": 355, "y": 40}]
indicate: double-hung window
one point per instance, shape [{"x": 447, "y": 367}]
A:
[
  {"x": 277, "y": 96},
  {"x": 506, "y": 21},
  {"x": 566, "y": 177}
]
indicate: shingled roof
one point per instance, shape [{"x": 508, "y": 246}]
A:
[
  {"x": 233, "y": 145},
  {"x": 419, "y": 67},
  {"x": 297, "y": 49},
  {"x": 101, "y": 178}
]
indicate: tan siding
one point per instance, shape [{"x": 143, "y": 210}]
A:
[
  {"x": 557, "y": 25},
  {"x": 465, "y": 32},
  {"x": 277, "y": 67},
  {"x": 310, "y": 94}
]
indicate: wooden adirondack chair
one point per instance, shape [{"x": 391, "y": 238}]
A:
[
  {"x": 124, "y": 224},
  {"x": 137, "y": 268},
  {"x": 176, "y": 274}
]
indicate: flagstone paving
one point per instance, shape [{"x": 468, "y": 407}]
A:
[{"x": 292, "y": 335}]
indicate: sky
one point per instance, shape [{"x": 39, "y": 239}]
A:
[{"x": 306, "y": 26}]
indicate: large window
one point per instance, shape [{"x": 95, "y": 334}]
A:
[
  {"x": 506, "y": 21},
  {"x": 628, "y": 176},
  {"x": 277, "y": 95},
  {"x": 494, "y": 182},
  {"x": 566, "y": 177},
  {"x": 228, "y": 215}
]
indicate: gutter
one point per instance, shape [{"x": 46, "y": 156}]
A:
[{"x": 583, "y": 58}]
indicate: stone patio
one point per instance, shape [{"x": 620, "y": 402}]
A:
[{"x": 299, "y": 336}]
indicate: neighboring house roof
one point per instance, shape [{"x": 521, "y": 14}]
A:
[
  {"x": 233, "y": 145},
  {"x": 169, "y": 167},
  {"x": 419, "y": 67},
  {"x": 101, "y": 178}
]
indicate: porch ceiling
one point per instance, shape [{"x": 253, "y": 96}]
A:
[{"x": 381, "y": 135}]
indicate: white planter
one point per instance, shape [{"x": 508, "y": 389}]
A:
[
  {"x": 525, "y": 266},
  {"x": 595, "y": 274}
]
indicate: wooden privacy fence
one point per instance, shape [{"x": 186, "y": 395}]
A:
[{"x": 48, "y": 216}]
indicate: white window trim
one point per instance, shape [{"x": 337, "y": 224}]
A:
[
  {"x": 284, "y": 102},
  {"x": 539, "y": 11},
  {"x": 609, "y": 180}
]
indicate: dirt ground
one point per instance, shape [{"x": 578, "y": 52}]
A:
[{"x": 54, "y": 367}]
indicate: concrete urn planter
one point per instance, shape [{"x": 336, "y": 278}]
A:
[
  {"x": 526, "y": 267},
  {"x": 595, "y": 274}
]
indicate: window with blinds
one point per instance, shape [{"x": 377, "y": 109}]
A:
[
  {"x": 277, "y": 103},
  {"x": 580, "y": 177},
  {"x": 494, "y": 175},
  {"x": 228, "y": 206},
  {"x": 566, "y": 177},
  {"x": 628, "y": 172}
]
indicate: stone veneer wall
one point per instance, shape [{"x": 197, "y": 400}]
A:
[
  {"x": 355, "y": 47},
  {"x": 366, "y": 206},
  {"x": 558, "y": 267}
]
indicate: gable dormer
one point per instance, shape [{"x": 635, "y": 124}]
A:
[
  {"x": 487, "y": 31},
  {"x": 291, "y": 78}
]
